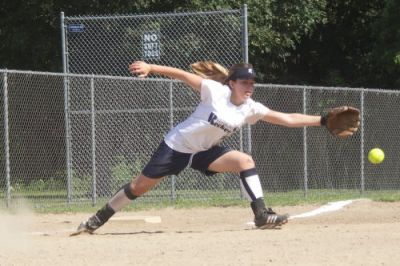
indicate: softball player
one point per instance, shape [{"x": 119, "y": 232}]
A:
[{"x": 225, "y": 106}]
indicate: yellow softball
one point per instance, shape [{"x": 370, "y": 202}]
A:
[{"x": 376, "y": 156}]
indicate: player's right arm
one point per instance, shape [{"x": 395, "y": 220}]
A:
[{"x": 143, "y": 70}]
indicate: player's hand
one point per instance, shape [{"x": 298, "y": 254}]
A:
[{"x": 140, "y": 68}]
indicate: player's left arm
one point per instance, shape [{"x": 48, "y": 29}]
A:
[
  {"x": 143, "y": 70},
  {"x": 291, "y": 119}
]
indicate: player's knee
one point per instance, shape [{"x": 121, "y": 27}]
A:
[
  {"x": 246, "y": 162},
  {"x": 136, "y": 190},
  {"x": 142, "y": 184},
  {"x": 129, "y": 191}
]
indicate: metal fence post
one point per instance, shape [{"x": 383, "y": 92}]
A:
[
  {"x": 67, "y": 139},
  {"x": 245, "y": 45},
  {"x": 93, "y": 117},
  {"x": 362, "y": 188},
  {"x": 66, "y": 110},
  {"x": 171, "y": 123},
  {"x": 63, "y": 44},
  {"x": 7, "y": 142},
  {"x": 245, "y": 59},
  {"x": 305, "y": 145},
  {"x": 245, "y": 37}
]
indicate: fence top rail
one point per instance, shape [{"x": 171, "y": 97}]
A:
[
  {"x": 174, "y": 14},
  {"x": 29, "y": 72},
  {"x": 306, "y": 87},
  {"x": 150, "y": 79}
]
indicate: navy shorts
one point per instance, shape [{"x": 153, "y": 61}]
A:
[{"x": 165, "y": 161}]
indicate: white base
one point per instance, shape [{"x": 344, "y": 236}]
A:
[
  {"x": 147, "y": 219},
  {"x": 331, "y": 206}
]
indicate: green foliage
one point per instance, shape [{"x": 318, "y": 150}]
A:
[
  {"x": 291, "y": 198},
  {"x": 37, "y": 185},
  {"x": 314, "y": 42},
  {"x": 30, "y": 30},
  {"x": 81, "y": 184},
  {"x": 123, "y": 171},
  {"x": 386, "y": 50},
  {"x": 397, "y": 59},
  {"x": 356, "y": 47},
  {"x": 276, "y": 28}
]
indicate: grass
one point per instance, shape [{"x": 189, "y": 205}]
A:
[{"x": 56, "y": 201}]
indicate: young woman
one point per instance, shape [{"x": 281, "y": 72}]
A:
[{"x": 225, "y": 106}]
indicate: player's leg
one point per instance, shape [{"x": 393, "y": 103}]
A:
[
  {"x": 164, "y": 161},
  {"x": 124, "y": 196},
  {"x": 242, "y": 163}
]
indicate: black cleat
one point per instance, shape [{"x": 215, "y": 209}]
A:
[
  {"x": 95, "y": 221},
  {"x": 268, "y": 219},
  {"x": 89, "y": 226}
]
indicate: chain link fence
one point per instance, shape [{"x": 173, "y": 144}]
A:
[
  {"x": 33, "y": 136},
  {"x": 106, "y": 45},
  {"x": 115, "y": 123}
]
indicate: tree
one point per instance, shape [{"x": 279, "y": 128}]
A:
[
  {"x": 32, "y": 38},
  {"x": 275, "y": 30},
  {"x": 386, "y": 49},
  {"x": 31, "y": 35},
  {"x": 338, "y": 53},
  {"x": 314, "y": 42}
]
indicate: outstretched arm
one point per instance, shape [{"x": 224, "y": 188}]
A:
[
  {"x": 143, "y": 70},
  {"x": 292, "y": 120},
  {"x": 342, "y": 121}
]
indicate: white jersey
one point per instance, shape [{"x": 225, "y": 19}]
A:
[{"x": 214, "y": 119}]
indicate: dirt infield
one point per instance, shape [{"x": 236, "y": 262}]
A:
[{"x": 362, "y": 233}]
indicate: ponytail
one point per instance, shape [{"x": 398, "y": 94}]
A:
[{"x": 210, "y": 70}]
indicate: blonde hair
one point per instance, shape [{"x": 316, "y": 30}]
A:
[
  {"x": 210, "y": 70},
  {"x": 215, "y": 71}
]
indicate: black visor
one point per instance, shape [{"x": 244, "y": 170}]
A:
[{"x": 243, "y": 73}]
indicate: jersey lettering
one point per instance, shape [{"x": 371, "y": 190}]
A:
[{"x": 213, "y": 120}]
